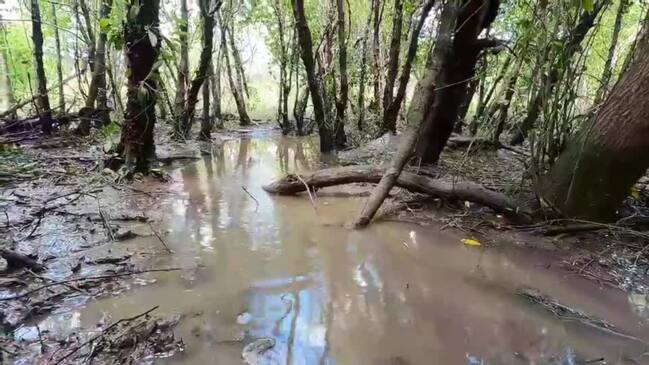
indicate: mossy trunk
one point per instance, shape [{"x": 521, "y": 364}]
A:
[{"x": 594, "y": 174}]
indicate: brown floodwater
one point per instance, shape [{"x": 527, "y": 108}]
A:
[{"x": 394, "y": 293}]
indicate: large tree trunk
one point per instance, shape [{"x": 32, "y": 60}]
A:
[
  {"x": 187, "y": 117},
  {"x": 376, "y": 52},
  {"x": 458, "y": 68},
  {"x": 572, "y": 43},
  {"x": 315, "y": 88},
  {"x": 392, "y": 111},
  {"x": 142, "y": 46},
  {"x": 205, "y": 133},
  {"x": 341, "y": 100},
  {"x": 182, "y": 78},
  {"x": 594, "y": 174},
  {"x": 45, "y": 112},
  {"x": 237, "y": 93}
]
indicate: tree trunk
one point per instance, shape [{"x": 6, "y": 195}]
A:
[
  {"x": 457, "y": 69},
  {"x": 59, "y": 66},
  {"x": 392, "y": 112},
  {"x": 594, "y": 174},
  {"x": 216, "y": 91},
  {"x": 419, "y": 109},
  {"x": 202, "y": 74},
  {"x": 141, "y": 35},
  {"x": 89, "y": 32},
  {"x": 206, "y": 122},
  {"x": 572, "y": 42},
  {"x": 45, "y": 112},
  {"x": 363, "y": 70},
  {"x": 376, "y": 53},
  {"x": 306, "y": 47},
  {"x": 182, "y": 78},
  {"x": 341, "y": 101},
  {"x": 240, "y": 102},
  {"x": 238, "y": 62},
  {"x": 9, "y": 98},
  {"x": 97, "y": 90},
  {"x": 299, "y": 109},
  {"x": 504, "y": 105},
  {"x": 393, "y": 54},
  {"x": 608, "y": 66}
]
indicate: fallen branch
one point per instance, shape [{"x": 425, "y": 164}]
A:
[
  {"x": 100, "y": 277},
  {"x": 253, "y": 198},
  {"x": 159, "y": 238},
  {"x": 468, "y": 191},
  {"x": 103, "y": 332}
]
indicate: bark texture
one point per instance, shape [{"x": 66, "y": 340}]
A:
[
  {"x": 594, "y": 174},
  {"x": 141, "y": 34},
  {"x": 45, "y": 112}
]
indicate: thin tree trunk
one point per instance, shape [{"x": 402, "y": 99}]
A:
[
  {"x": 327, "y": 143},
  {"x": 5, "y": 59},
  {"x": 206, "y": 123},
  {"x": 594, "y": 174},
  {"x": 216, "y": 91},
  {"x": 419, "y": 108},
  {"x": 392, "y": 112},
  {"x": 341, "y": 101},
  {"x": 59, "y": 66},
  {"x": 90, "y": 32},
  {"x": 238, "y": 62},
  {"x": 204, "y": 62},
  {"x": 393, "y": 54},
  {"x": 244, "y": 119},
  {"x": 43, "y": 99},
  {"x": 376, "y": 53},
  {"x": 182, "y": 78},
  {"x": 572, "y": 42},
  {"x": 608, "y": 66},
  {"x": 506, "y": 103},
  {"x": 141, "y": 35}
]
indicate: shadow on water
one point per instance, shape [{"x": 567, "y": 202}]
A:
[{"x": 266, "y": 266}]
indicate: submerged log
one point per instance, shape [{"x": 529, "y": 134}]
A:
[{"x": 443, "y": 188}]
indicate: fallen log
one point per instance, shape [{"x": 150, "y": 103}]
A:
[{"x": 443, "y": 188}]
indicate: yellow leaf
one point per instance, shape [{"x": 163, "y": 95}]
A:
[
  {"x": 635, "y": 192},
  {"x": 471, "y": 242}
]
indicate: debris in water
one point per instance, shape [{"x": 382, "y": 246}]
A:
[
  {"x": 254, "y": 351},
  {"x": 471, "y": 242},
  {"x": 244, "y": 318}
]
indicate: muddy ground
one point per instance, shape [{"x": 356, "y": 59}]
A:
[{"x": 75, "y": 232}]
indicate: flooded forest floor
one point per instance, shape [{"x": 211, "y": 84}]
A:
[{"x": 196, "y": 264}]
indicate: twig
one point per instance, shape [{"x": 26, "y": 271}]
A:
[
  {"x": 3, "y": 349},
  {"x": 308, "y": 191},
  {"x": 104, "y": 219},
  {"x": 159, "y": 238},
  {"x": 100, "y": 277},
  {"x": 103, "y": 332},
  {"x": 253, "y": 198}
]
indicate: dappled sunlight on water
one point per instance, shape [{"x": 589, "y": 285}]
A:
[{"x": 266, "y": 266}]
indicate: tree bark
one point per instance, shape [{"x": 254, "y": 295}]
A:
[
  {"x": 205, "y": 133},
  {"x": 393, "y": 54},
  {"x": 141, "y": 35},
  {"x": 327, "y": 143},
  {"x": 85, "y": 11},
  {"x": 376, "y": 53},
  {"x": 594, "y": 174},
  {"x": 5, "y": 59},
  {"x": 341, "y": 101},
  {"x": 216, "y": 91},
  {"x": 202, "y": 74},
  {"x": 45, "y": 112},
  {"x": 392, "y": 112},
  {"x": 457, "y": 69}
]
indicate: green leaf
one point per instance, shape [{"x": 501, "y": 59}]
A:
[
  {"x": 152, "y": 38},
  {"x": 588, "y": 5},
  {"x": 104, "y": 24}
]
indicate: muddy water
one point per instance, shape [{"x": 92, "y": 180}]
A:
[{"x": 265, "y": 266}]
